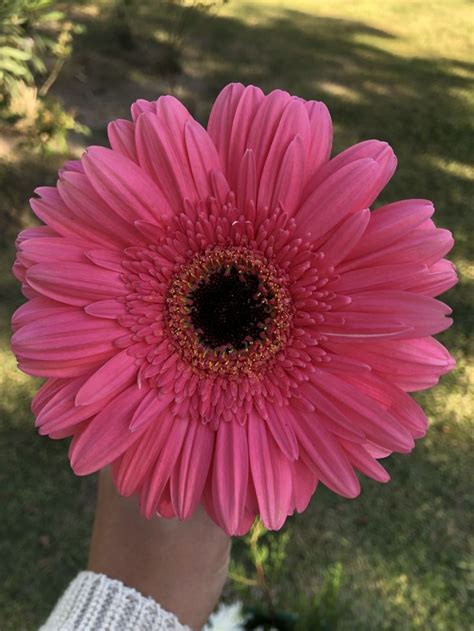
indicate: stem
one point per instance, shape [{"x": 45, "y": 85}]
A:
[
  {"x": 63, "y": 53},
  {"x": 243, "y": 579},
  {"x": 53, "y": 75},
  {"x": 261, "y": 578}
]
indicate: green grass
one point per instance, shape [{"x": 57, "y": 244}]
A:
[{"x": 398, "y": 70}]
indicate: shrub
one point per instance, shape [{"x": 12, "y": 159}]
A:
[{"x": 32, "y": 34}]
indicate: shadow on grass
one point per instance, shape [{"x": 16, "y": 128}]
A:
[{"x": 45, "y": 530}]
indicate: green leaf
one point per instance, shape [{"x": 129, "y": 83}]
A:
[
  {"x": 52, "y": 16},
  {"x": 38, "y": 65},
  {"x": 15, "y": 53},
  {"x": 20, "y": 70}
]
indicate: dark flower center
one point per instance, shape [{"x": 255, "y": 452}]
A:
[
  {"x": 229, "y": 308},
  {"x": 228, "y": 311}
]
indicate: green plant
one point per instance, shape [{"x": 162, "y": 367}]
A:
[
  {"x": 322, "y": 612},
  {"x": 276, "y": 610},
  {"x": 22, "y": 44},
  {"x": 35, "y": 40}
]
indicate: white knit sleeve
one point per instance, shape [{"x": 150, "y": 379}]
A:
[{"x": 94, "y": 602}]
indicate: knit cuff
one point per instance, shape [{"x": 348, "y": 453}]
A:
[{"x": 94, "y": 602}]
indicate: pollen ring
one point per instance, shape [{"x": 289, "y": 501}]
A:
[{"x": 229, "y": 312}]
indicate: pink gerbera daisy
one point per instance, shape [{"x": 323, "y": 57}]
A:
[{"x": 221, "y": 317}]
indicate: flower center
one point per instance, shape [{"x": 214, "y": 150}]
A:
[
  {"x": 229, "y": 311},
  {"x": 229, "y": 308}
]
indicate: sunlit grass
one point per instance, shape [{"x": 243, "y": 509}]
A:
[
  {"x": 13, "y": 384},
  {"x": 415, "y": 24}
]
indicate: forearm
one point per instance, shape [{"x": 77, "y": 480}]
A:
[{"x": 181, "y": 565}]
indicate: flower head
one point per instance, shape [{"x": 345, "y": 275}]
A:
[{"x": 221, "y": 316}]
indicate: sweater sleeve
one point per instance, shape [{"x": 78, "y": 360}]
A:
[{"x": 94, "y": 602}]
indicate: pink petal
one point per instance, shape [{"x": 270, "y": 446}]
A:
[
  {"x": 141, "y": 106},
  {"x": 35, "y": 232},
  {"x": 159, "y": 476},
  {"x": 67, "y": 431},
  {"x": 51, "y": 209},
  {"x": 202, "y": 156},
  {"x": 162, "y": 154},
  {"x": 36, "y": 309},
  {"x": 138, "y": 460},
  {"x": 330, "y": 416},
  {"x": 75, "y": 283},
  {"x": 108, "y": 259},
  {"x": 151, "y": 231},
  {"x": 220, "y": 186},
  {"x": 65, "y": 337},
  {"x": 290, "y": 122},
  {"x": 229, "y": 122},
  {"x": 230, "y": 475},
  {"x": 422, "y": 314},
  {"x": 402, "y": 361},
  {"x": 165, "y": 505},
  {"x": 61, "y": 412},
  {"x": 189, "y": 475},
  {"x": 364, "y": 462},
  {"x": 323, "y": 454},
  {"x": 150, "y": 409},
  {"x": 391, "y": 223},
  {"x": 265, "y": 125},
  {"x": 304, "y": 485},
  {"x": 221, "y": 119},
  {"x": 172, "y": 113},
  {"x": 122, "y": 138},
  {"x": 288, "y": 185},
  {"x": 45, "y": 394},
  {"x": 238, "y": 126},
  {"x": 64, "y": 368},
  {"x": 436, "y": 280},
  {"x": 342, "y": 193},
  {"x": 19, "y": 271},
  {"x": 247, "y": 181},
  {"x": 271, "y": 474},
  {"x": 344, "y": 238},
  {"x": 280, "y": 425},
  {"x": 110, "y": 309},
  {"x": 71, "y": 165},
  {"x": 114, "y": 376},
  {"x": 376, "y": 451},
  {"x": 399, "y": 404},
  {"x": 245, "y": 524},
  {"x": 375, "y": 150},
  {"x": 48, "y": 249},
  {"x": 107, "y": 436},
  {"x": 342, "y": 401},
  {"x": 320, "y": 142},
  {"x": 126, "y": 188},
  {"x": 88, "y": 207},
  {"x": 392, "y": 276},
  {"x": 421, "y": 246}
]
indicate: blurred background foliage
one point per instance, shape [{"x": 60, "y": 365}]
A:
[
  {"x": 35, "y": 42},
  {"x": 398, "y": 557}
]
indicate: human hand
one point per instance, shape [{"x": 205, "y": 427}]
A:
[{"x": 182, "y": 565}]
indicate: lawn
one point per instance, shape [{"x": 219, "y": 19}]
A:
[{"x": 397, "y": 70}]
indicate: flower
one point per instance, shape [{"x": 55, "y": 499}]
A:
[{"x": 219, "y": 314}]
